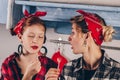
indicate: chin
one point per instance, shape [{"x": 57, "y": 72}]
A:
[
  {"x": 34, "y": 51},
  {"x": 76, "y": 52}
]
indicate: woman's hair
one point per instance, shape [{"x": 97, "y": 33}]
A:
[
  {"x": 107, "y": 30},
  {"x": 80, "y": 21},
  {"x": 29, "y": 22}
]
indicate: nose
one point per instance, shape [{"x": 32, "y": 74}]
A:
[{"x": 35, "y": 39}]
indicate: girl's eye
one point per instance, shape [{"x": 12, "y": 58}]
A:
[{"x": 31, "y": 36}]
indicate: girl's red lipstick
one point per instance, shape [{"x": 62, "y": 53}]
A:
[{"x": 34, "y": 47}]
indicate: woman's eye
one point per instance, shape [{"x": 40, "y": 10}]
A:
[
  {"x": 40, "y": 36},
  {"x": 72, "y": 33}
]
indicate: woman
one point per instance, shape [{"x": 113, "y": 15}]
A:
[
  {"x": 28, "y": 63},
  {"x": 88, "y": 33}
]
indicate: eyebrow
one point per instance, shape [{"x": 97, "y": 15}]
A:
[{"x": 34, "y": 33}]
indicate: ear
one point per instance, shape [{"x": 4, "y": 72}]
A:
[
  {"x": 19, "y": 37},
  {"x": 89, "y": 34},
  {"x": 90, "y": 39}
]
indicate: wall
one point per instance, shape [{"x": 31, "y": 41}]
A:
[{"x": 3, "y": 11}]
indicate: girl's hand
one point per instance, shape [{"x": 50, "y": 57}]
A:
[
  {"x": 32, "y": 69},
  {"x": 52, "y": 74}
]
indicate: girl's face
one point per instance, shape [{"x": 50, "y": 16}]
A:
[
  {"x": 76, "y": 39},
  {"x": 32, "y": 38}
]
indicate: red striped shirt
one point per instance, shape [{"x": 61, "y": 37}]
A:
[{"x": 11, "y": 71}]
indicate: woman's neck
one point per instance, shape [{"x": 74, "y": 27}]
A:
[{"x": 92, "y": 58}]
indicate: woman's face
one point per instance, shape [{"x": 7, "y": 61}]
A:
[
  {"x": 76, "y": 39},
  {"x": 32, "y": 38}
]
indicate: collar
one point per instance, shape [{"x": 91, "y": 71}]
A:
[{"x": 106, "y": 61}]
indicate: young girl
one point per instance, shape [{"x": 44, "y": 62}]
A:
[{"x": 28, "y": 63}]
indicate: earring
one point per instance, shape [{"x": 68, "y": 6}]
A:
[
  {"x": 20, "y": 49},
  {"x": 44, "y": 52},
  {"x": 85, "y": 43}
]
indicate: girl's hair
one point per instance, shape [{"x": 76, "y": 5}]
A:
[
  {"x": 107, "y": 30},
  {"x": 28, "y": 22}
]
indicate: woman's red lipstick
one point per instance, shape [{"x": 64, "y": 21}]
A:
[{"x": 34, "y": 47}]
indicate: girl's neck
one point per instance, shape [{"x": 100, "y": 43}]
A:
[{"x": 29, "y": 56}]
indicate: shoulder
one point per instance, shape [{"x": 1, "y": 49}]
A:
[
  {"x": 115, "y": 63},
  {"x": 115, "y": 68},
  {"x": 112, "y": 65},
  {"x": 110, "y": 61},
  {"x": 51, "y": 63},
  {"x": 10, "y": 58},
  {"x": 47, "y": 61}
]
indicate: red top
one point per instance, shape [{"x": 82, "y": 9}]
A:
[{"x": 11, "y": 71}]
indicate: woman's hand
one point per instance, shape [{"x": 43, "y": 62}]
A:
[
  {"x": 33, "y": 68},
  {"x": 52, "y": 74}
]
